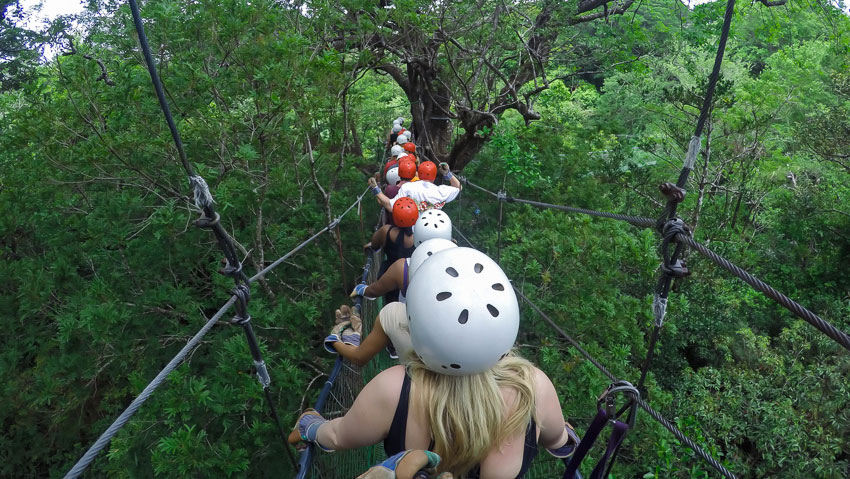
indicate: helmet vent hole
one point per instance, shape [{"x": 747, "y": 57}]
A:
[
  {"x": 498, "y": 287},
  {"x": 452, "y": 272},
  {"x": 478, "y": 267},
  {"x": 493, "y": 311},
  {"x": 455, "y": 366},
  {"x": 435, "y": 226},
  {"x": 500, "y": 357},
  {"x": 463, "y": 317},
  {"x": 430, "y": 253},
  {"x": 443, "y": 296},
  {"x": 444, "y": 366}
]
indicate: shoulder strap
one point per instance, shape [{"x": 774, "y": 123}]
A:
[
  {"x": 405, "y": 280},
  {"x": 395, "y": 440}
]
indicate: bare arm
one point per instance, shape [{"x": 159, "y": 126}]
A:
[
  {"x": 384, "y": 201},
  {"x": 372, "y": 345},
  {"x": 368, "y": 420},
  {"x": 377, "y": 242},
  {"x": 455, "y": 182},
  {"x": 550, "y": 417},
  {"x": 391, "y": 280}
]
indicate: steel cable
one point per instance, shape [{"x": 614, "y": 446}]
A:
[
  {"x": 822, "y": 325},
  {"x": 125, "y": 416},
  {"x": 639, "y": 221}
]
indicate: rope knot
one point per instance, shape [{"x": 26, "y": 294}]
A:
[
  {"x": 243, "y": 296},
  {"x": 672, "y": 265},
  {"x": 232, "y": 271}
]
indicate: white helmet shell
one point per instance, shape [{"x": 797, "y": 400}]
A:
[
  {"x": 431, "y": 224},
  {"x": 396, "y": 128},
  {"x": 401, "y": 139},
  {"x": 425, "y": 251},
  {"x": 392, "y": 176},
  {"x": 399, "y": 120},
  {"x": 397, "y": 150},
  {"x": 463, "y": 312}
]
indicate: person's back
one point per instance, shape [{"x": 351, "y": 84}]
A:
[{"x": 467, "y": 398}]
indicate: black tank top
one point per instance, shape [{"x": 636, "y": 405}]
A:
[
  {"x": 396, "y": 249},
  {"x": 395, "y": 440}
]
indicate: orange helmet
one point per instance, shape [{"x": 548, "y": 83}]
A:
[
  {"x": 409, "y": 146},
  {"x": 428, "y": 171},
  {"x": 405, "y": 212},
  {"x": 407, "y": 169}
]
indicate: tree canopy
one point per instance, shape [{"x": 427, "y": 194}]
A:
[{"x": 285, "y": 108}]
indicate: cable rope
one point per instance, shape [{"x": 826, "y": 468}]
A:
[
  {"x": 822, "y": 325},
  {"x": 125, "y": 416},
  {"x": 640, "y": 221},
  {"x": 640, "y": 402}
]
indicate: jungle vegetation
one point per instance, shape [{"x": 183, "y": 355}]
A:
[{"x": 284, "y": 107}]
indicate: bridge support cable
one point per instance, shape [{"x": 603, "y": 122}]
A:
[
  {"x": 822, "y": 325},
  {"x": 125, "y": 416},
  {"x": 638, "y": 221},
  {"x": 598, "y": 365},
  {"x": 668, "y": 224}
]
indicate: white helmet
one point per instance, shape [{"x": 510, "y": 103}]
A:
[
  {"x": 425, "y": 251},
  {"x": 401, "y": 139},
  {"x": 397, "y": 150},
  {"x": 463, "y": 312},
  {"x": 399, "y": 121},
  {"x": 392, "y": 175},
  {"x": 432, "y": 223},
  {"x": 396, "y": 128}
]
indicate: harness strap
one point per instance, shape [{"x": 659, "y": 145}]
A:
[
  {"x": 617, "y": 436},
  {"x": 586, "y": 443},
  {"x": 596, "y": 427}
]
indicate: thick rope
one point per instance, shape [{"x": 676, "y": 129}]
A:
[
  {"x": 160, "y": 93},
  {"x": 125, "y": 416},
  {"x": 822, "y": 325}
]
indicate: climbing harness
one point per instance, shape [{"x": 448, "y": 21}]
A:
[{"x": 606, "y": 414}]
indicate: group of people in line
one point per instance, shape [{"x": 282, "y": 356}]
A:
[{"x": 462, "y": 403}]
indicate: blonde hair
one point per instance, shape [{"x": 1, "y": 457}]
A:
[{"x": 467, "y": 415}]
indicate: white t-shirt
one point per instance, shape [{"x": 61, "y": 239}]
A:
[{"x": 427, "y": 195}]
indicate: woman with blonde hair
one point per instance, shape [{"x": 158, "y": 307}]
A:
[{"x": 464, "y": 396}]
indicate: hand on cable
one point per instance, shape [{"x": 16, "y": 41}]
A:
[
  {"x": 344, "y": 332},
  {"x": 360, "y": 290},
  {"x": 410, "y": 464},
  {"x": 569, "y": 447},
  {"x": 307, "y": 429},
  {"x": 444, "y": 170},
  {"x": 373, "y": 185}
]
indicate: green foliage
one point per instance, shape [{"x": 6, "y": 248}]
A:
[{"x": 105, "y": 278}]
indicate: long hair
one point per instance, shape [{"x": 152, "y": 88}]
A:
[{"x": 467, "y": 415}]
